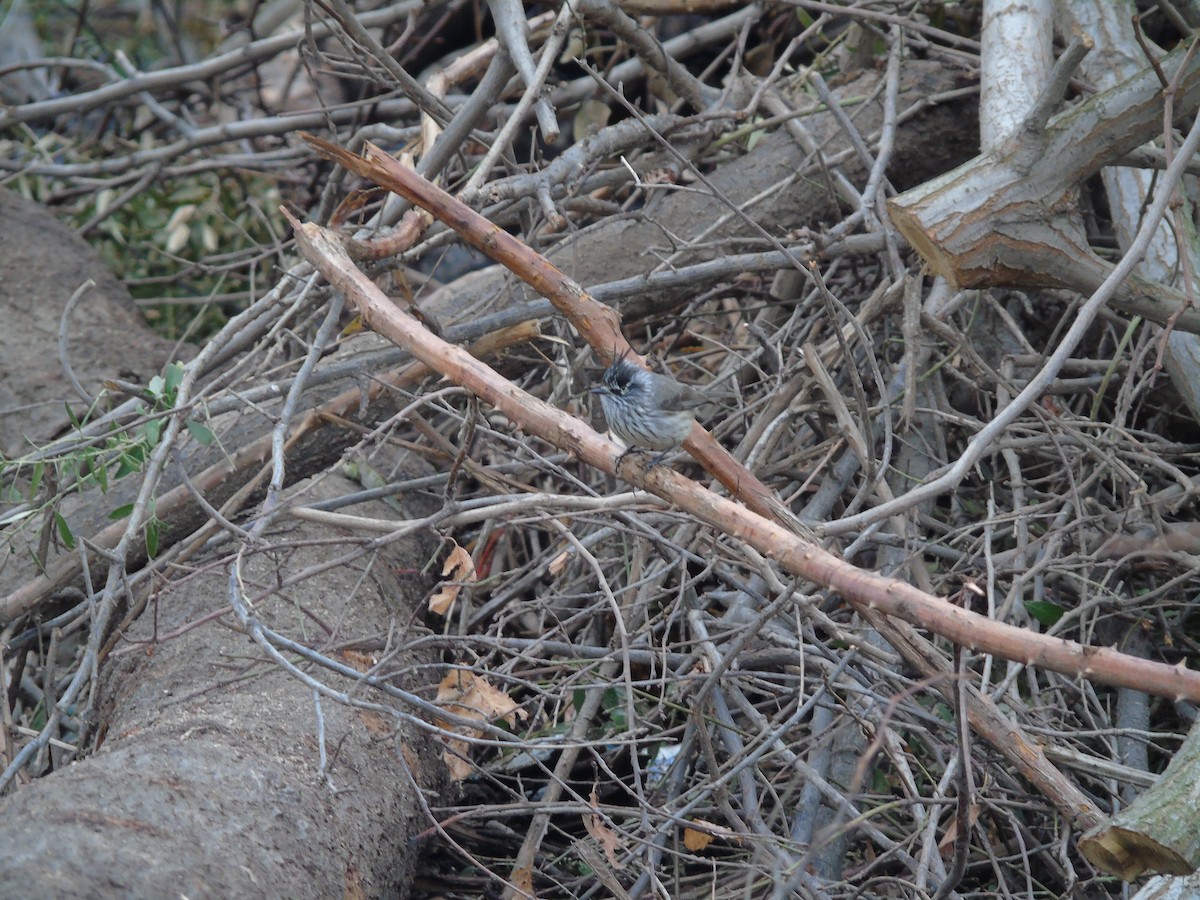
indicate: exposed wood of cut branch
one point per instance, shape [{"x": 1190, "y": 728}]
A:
[
  {"x": 1011, "y": 218},
  {"x": 1157, "y": 832},
  {"x": 864, "y": 590},
  {"x": 596, "y": 323}
]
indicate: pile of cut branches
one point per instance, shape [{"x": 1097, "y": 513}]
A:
[{"x": 772, "y": 665}]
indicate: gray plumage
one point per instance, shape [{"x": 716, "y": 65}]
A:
[{"x": 647, "y": 410}]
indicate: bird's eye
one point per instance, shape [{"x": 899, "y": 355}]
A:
[{"x": 616, "y": 383}]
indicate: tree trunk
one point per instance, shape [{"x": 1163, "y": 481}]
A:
[{"x": 207, "y": 779}]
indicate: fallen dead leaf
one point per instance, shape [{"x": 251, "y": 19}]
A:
[
  {"x": 697, "y": 839},
  {"x": 946, "y": 844},
  {"x": 606, "y": 837},
  {"x": 376, "y": 724},
  {"x": 458, "y": 570},
  {"x": 522, "y": 879},
  {"x": 468, "y": 695},
  {"x": 360, "y": 662}
]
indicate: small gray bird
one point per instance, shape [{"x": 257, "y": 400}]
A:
[{"x": 647, "y": 410}]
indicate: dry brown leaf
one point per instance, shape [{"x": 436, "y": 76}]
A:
[
  {"x": 946, "y": 844},
  {"x": 468, "y": 695},
  {"x": 457, "y": 757},
  {"x": 458, "y": 570},
  {"x": 375, "y": 723},
  {"x": 442, "y": 600},
  {"x": 360, "y": 662},
  {"x": 522, "y": 879},
  {"x": 606, "y": 837},
  {"x": 696, "y": 840},
  {"x": 459, "y": 565}
]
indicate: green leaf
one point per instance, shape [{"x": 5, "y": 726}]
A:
[
  {"x": 201, "y": 433},
  {"x": 1045, "y": 612},
  {"x": 126, "y": 465},
  {"x": 101, "y": 473},
  {"x": 152, "y": 538},
  {"x": 153, "y": 431},
  {"x": 172, "y": 381},
  {"x": 64, "y": 531},
  {"x": 155, "y": 387},
  {"x": 881, "y": 785},
  {"x": 71, "y": 415},
  {"x": 121, "y": 512},
  {"x": 614, "y": 705},
  {"x": 35, "y": 482}
]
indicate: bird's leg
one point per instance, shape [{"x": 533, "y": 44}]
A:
[{"x": 656, "y": 458}]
